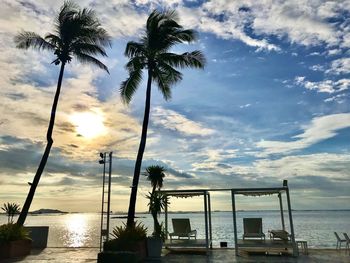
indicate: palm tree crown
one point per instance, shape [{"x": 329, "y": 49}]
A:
[
  {"x": 152, "y": 53},
  {"x": 77, "y": 32},
  {"x": 155, "y": 174}
]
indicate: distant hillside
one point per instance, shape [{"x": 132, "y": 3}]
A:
[{"x": 47, "y": 211}]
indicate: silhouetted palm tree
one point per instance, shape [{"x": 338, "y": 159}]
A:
[
  {"x": 77, "y": 33},
  {"x": 155, "y": 174},
  {"x": 152, "y": 53}
]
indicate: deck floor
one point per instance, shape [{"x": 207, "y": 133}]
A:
[
  {"x": 89, "y": 255},
  {"x": 185, "y": 243}
]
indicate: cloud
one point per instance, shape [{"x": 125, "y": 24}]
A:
[
  {"x": 174, "y": 121},
  {"x": 320, "y": 128},
  {"x": 339, "y": 66},
  {"x": 324, "y": 86}
]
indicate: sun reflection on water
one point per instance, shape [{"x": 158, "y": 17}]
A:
[{"x": 76, "y": 235}]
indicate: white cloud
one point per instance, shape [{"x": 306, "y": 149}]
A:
[
  {"x": 320, "y": 128},
  {"x": 324, "y": 86},
  {"x": 340, "y": 66},
  {"x": 327, "y": 165},
  {"x": 317, "y": 68},
  {"x": 172, "y": 120}
]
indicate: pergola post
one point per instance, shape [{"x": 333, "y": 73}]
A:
[
  {"x": 210, "y": 229},
  {"x": 166, "y": 217},
  {"x": 295, "y": 250},
  {"x": 206, "y": 220},
  {"x": 281, "y": 209},
  {"x": 234, "y": 221}
]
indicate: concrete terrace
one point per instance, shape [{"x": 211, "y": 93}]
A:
[{"x": 85, "y": 255}]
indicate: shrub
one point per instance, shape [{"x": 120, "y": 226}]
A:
[
  {"x": 11, "y": 232},
  {"x": 125, "y": 238}
]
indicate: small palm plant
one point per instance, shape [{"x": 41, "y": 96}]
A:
[
  {"x": 153, "y": 54},
  {"x": 157, "y": 200},
  {"x": 11, "y": 209},
  {"x": 77, "y": 33}
]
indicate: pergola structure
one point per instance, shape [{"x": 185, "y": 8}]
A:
[
  {"x": 234, "y": 192},
  {"x": 207, "y": 213}
]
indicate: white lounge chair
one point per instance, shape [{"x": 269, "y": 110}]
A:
[
  {"x": 347, "y": 246},
  {"x": 253, "y": 228},
  {"x": 339, "y": 241},
  {"x": 182, "y": 229},
  {"x": 280, "y": 234}
]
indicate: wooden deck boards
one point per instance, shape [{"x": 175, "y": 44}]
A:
[{"x": 185, "y": 243}]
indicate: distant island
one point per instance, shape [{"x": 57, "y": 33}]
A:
[{"x": 47, "y": 211}]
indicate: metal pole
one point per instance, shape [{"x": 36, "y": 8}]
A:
[
  {"x": 281, "y": 208},
  {"x": 206, "y": 220},
  {"x": 210, "y": 230},
  {"x": 109, "y": 194},
  {"x": 295, "y": 250},
  {"x": 234, "y": 221},
  {"x": 103, "y": 191},
  {"x": 166, "y": 218}
]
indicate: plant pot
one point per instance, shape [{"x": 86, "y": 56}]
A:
[
  {"x": 154, "y": 248},
  {"x": 139, "y": 248},
  {"x": 120, "y": 256},
  {"x": 17, "y": 248},
  {"x": 39, "y": 235}
]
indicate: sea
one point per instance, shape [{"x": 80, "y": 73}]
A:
[{"x": 83, "y": 229}]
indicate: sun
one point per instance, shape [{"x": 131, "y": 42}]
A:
[{"x": 88, "y": 124}]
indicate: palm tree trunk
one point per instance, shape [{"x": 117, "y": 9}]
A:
[
  {"x": 135, "y": 181},
  {"x": 23, "y": 215}
]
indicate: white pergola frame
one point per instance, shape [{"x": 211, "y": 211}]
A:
[{"x": 235, "y": 191}]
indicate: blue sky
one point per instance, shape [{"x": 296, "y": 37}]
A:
[{"x": 271, "y": 104}]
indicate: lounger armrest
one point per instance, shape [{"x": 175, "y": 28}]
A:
[{"x": 192, "y": 233}]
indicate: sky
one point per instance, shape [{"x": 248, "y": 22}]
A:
[{"x": 271, "y": 104}]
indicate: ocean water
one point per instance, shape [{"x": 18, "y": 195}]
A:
[{"x": 83, "y": 229}]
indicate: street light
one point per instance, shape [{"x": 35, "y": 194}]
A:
[{"x": 102, "y": 161}]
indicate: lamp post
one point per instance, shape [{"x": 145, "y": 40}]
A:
[{"x": 105, "y": 228}]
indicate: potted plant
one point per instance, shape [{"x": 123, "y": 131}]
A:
[
  {"x": 14, "y": 241},
  {"x": 157, "y": 202},
  {"x": 127, "y": 245}
]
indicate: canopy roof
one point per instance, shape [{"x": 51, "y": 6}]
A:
[{"x": 242, "y": 191}]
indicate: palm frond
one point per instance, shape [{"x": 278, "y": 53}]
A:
[
  {"x": 173, "y": 76},
  {"x": 136, "y": 63},
  {"x": 163, "y": 82},
  {"x": 130, "y": 85},
  {"x": 134, "y": 49},
  {"x": 26, "y": 39},
  {"x": 88, "y": 48},
  {"x": 85, "y": 58},
  {"x": 194, "y": 59},
  {"x": 54, "y": 40}
]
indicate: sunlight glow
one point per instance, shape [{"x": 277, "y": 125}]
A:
[
  {"x": 76, "y": 231},
  {"x": 88, "y": 124}
]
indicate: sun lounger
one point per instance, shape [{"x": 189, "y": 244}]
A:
[
  {"x": 280, "y": 234},
  {"x": 182, "y": 229},
  {"x": 347, "y": 241},
  {"x": 339, "y": 240},
  {"x": 253, "y": 228}
]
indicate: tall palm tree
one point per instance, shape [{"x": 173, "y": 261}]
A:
[
  {"x": 155, "y": 174},
  {"x": 152, "y": 53},
  {"x": 77, "y": 33}
]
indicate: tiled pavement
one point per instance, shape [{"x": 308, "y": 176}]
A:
[{"x": 84, "y": 255}]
